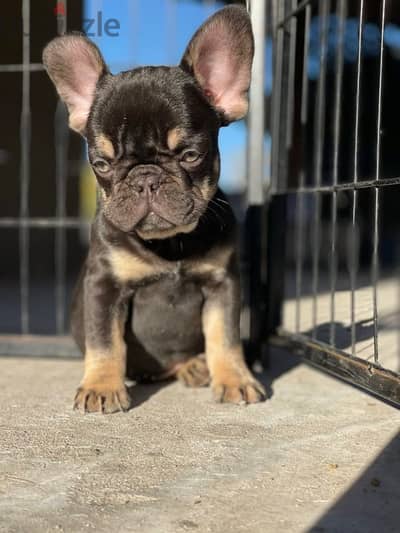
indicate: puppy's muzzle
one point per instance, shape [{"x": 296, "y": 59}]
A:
[{"x": 146, "y": 179}]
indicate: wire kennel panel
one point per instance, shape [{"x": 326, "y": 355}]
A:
[
  {"x": 24, "y": 223},
  {"x": 34, "y": 305},
  {"x": 333, "y": 301}
]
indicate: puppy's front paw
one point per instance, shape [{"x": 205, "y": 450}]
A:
[
  {"x": 93, "y": 400},
  {"x": 236, "y": 389}
]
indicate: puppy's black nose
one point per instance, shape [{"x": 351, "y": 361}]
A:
[
  {"x": 151, "y": 184},
  {"x": 147, "y": 179}
]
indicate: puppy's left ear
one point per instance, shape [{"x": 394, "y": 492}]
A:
[
  {"x": 220, "y": 56},
  {"x": 75, "y": 65}
]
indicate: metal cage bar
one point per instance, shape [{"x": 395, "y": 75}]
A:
[
  {"x": 300, "y": 197},
  {"x": 256, "y": 189},
  {"x": 319, "y": 129},
  {"x": 25, "y": 140},
  {"x": 255, "y": 151},
  {"x": 375, "y": 258},
  {"x": 341, "y": 10},
  {"x": 324, "y": 349},
  {"x": 61, "y": 150},
  {"x": 354, "y": 247}
]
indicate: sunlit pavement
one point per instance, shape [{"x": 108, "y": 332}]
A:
[{"x": 319, "y": 455}]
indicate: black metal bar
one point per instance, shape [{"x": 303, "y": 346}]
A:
[
  {"x": 32, "y": 67},
  {"x": 373, "y": 378},
  {"x": 375, "y": 253},
  {"x": 299, "y": 197},
  {"x": 295, "y": 12},
  {"x": 43, "y": 223},
  {"x": 291, "y": 80},
  {"x": 354, "y": 251},
  {"x": 61, "y": 150},
  {"x": 256, "y": 115},
  {"x": 281, "y": 166},
  {"x": 254, "y": 224},
  {"x": 299, "y": 255},
  {"x": 25, "y": 141},
  {"x": 253, "y": 245},
  {"x": 319, "y": 128},
  {"x": 275, "y": 286},
  {"x": 320, "y": 103},
  {"x": 339, "y": 62},
  {"x": 375, "y": 270},
  {"x": 354, "y": 248},
  {"x": 315, "y": 260},
  {"x": 304, "y": 89},
  {"x": 278, "y": 8},
  {"x": 286, "y": 106},
  {"x": 365, "y": 184},
  {"x": 273, "y": 293}
]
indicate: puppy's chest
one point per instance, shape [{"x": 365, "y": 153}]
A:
[{"x": 132, "y": 270}]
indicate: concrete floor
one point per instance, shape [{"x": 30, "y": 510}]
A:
[{"x": 318, "y": 456}]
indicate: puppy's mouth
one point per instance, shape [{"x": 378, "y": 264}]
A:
[
  {"x": 153, "y": 222},
  {"x": 155, "y": 226}
]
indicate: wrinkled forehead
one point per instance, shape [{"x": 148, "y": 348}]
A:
[{"x": 150, "y": 107}]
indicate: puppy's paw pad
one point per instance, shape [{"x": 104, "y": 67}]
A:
[
  {"x": 96, "y": 401},
  {"x": 194, "y": 373},
  {"x": 245, "y": 392}
]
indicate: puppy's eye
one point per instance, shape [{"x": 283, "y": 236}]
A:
[
  {"x": 101, "y": 166},
  {"x": 190, "y": 156}
]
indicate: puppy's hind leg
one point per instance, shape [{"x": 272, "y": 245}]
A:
[{"x": 194, "y": 372}]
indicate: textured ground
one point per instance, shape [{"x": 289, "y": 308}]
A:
[{"x": 318, "y": 456}]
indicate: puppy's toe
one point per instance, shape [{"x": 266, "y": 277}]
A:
[
  {"x": 242, "y": 392},
  {"x": 96, "y": 401},
  {"x": 116, "y": 401},
  {"x": 194, "y": 373}
]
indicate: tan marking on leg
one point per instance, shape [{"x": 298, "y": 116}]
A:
[
  {"x": 105, "y": 146},
  {"x": 232, "y": 381},
  {"x": 103, "y": 388},
  {"x": 166, "y": 234},
  {"x": 129, "y": 267},
  {"x": 174, "y": 136}
]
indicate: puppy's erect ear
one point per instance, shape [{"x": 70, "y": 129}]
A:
[
  {"x": 220, "y": 56},
  {"x": 75, "y": 65}
]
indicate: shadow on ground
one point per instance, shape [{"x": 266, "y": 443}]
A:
[
  {"x": 363, "y": 330},
  {"x": 278, "y": 360},
  {"x": 373, "y": 502},
  {"x": 141, "y": 392}
]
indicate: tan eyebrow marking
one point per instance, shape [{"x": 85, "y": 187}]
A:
[
  {"x": 174, "y": 136},
  {"x": 104, "y": 145}
]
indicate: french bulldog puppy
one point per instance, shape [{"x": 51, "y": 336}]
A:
[{"x": 159, "y": 293}]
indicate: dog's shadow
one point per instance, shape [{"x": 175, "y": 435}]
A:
[
  {"x": 275, "y": 366},
  {"x": 142, "y": 391}
]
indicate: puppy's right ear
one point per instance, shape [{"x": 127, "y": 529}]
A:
[
  {"x": 220, "y": 56},
  {"x": 75, "y": 65}
]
